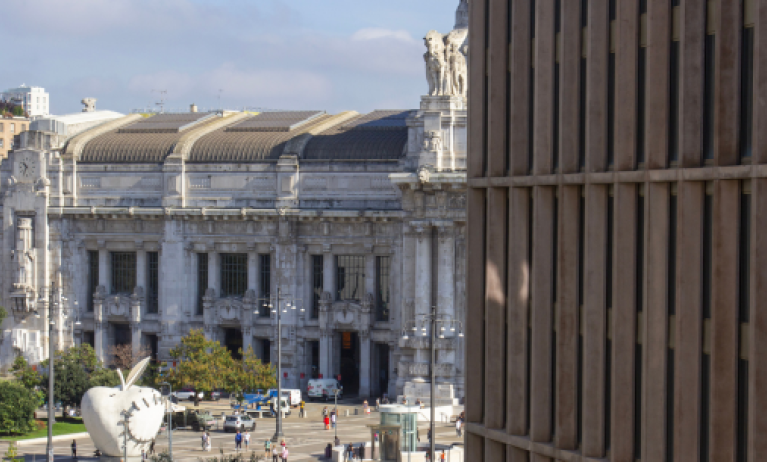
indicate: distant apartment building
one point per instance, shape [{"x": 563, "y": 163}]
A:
[
  {"x": 34, "y": 100},
  {"x": 9, "y": 128}
]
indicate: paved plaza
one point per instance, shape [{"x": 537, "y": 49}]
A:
[{"x": 306, "y": 438}]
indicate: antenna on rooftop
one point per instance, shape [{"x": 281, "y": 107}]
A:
[{"x": 161, "y": 103}]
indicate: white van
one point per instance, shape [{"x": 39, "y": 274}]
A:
[
  {"x": 293, "y": 396},
  {"x": 323, "y": 389}
]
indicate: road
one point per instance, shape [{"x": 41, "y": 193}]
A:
[{"x": 306, "y": 438}]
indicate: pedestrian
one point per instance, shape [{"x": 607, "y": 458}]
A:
[
  {"x": 333, "y": 419},
  {"x": 151, "y": 447},
  {"x": 208, "y": 442},
  {"x": 275, "y": 454},
  {"x": 458, "y": 425},
  {"x": 443, "y": 456},
  {"x": 302, "y": 411},
  {"x": 267, "y": 443},
  {"x": 285, "y": 454},
  {"x": 326, "y": 420},
  {"x": 74, "y": 449},
  {"x": 337, "y": 441},
  {"x": 143, "y": 455},
  {"x": 247, "y": 440},
  {"x": 349, "y": 452},
  {"x": 238, "y": 441},
  {"x": 361, "y": 451},
  {"x": 428, "y": 435},
  {"x": 204, "y": 441}
]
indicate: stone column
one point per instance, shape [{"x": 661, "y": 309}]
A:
[
  {"x": 213, "y": 271},
  {"x": 423, "y": 268},
  {"x": 364, "y": 362},
  {"x": 104, "y": 268},
  {"x": 135, "y": 323},
  {"x": 247, "y": 335},
  {"x": 408, "y": 274},
  {"x": 326, "y": 336},
  {"x": 141, "y": 267},
  {"x": 329, "y": 274},
  {"x": 446, "y": 282},
  {"x": 99, "y": 323}
]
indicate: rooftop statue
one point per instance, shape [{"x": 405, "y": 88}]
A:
[{"x": 445, "y": 57}]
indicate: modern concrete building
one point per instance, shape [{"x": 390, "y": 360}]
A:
[
  {"x": 34, "y": 100},
  {"x": 616, "y": 273},
  {"x": 10, "y": 129}
]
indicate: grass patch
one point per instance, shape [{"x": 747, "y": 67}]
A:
[{"x": 61, "y": 427}]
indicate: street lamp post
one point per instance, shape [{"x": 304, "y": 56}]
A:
[
  {"x": 434, "y": 320},
  {"x": 275, "y": 305},
  {"x": 170, "y": 421},
  {"x": 335, "y": 392},
  {"x": 53, "y": 304}
]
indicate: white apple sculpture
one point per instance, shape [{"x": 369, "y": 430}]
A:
[{"x": 114, "y": 416}]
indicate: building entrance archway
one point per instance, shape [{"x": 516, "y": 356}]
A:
[{"x": 350, "y": 363}]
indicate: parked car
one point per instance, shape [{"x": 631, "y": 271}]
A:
[
  {"x": 215, "y": 395},
  {"x": 243, "y": 422},
  {"x": 187, "y": 393}
]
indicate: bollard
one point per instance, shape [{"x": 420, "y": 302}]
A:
[{"x": 347, "y": 413}]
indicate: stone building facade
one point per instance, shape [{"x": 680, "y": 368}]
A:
[{"x": 151, "y": 227}]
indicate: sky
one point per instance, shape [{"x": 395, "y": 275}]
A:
[{"x": 329, "y": 55}]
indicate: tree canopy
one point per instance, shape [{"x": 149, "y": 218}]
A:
[
  {"x": 17, "y": 407},
  {"x": 25, "y": 374},
  {"x": 206, "y": 365},
  {"x": 76, "y": 370}
]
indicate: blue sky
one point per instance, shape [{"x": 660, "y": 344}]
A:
[{"x": 279, "y": 54}]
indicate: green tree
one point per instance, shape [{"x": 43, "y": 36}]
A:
[
  {"x": 202, "y": 364},
  {"x": 70, "y": 383},
  {"x": 24, "y": 373},
  {"x": 17, "y": 407},
  {"x": 3, "y": 315},
  {"x": 18, "y": 111},
  {"x": 103, "y": 377},
  {"x": 250, "y": 374},
  {"x": 12, "y": 453}
]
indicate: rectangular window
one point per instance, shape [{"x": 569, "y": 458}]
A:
[
  {"x": 553, "y": 363},
  {"x": 123, "y": 272},
  {"x": 265, "y": 264},
  {"x": 318, "y": 278},
  {"x": 671, "y": 303},
  {"x": 2, "y": 128},
  {"x": 705, "y": 389},
  {"x": 581, "y": 259},
  {"x": 744, "y": 317},
  {"x": 641, "y": 83},
  {"x": 609, "y": 304},
  {"x": 13, "y": 128},
  {"x": 640, "y": 239},
  {"x": 531, "y": 93},
  {"x": 747, "y": 81},
  {"x": 673, "y": 116},
  {"x": 382, "y": 288},
  {"x": 202, "y": 280},
  {"x": 582, "y": 88},
  {"x": 350, "y": 277},
  {"x": 234, "y": 274},
  {"x": 611, "y": 86},
  {"x": 2, "y": 143},
  {"x": 557, "y": 30},
  {"x": 93, "y": 276},
  {"x": 153, "y": 291},
  {"x": 708, "y": 85}
]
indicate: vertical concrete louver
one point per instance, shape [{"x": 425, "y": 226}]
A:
[{"x": 617, "y": 178}]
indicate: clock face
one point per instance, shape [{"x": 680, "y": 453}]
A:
[{"x": 26, "y": 166}]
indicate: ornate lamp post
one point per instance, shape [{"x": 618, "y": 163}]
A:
[
  {"x": 55, "y": 300},
  {"x": 278, "y": 305},
  {"x": 170, "y": 420},
  {"x": 418, "y": 326}
]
